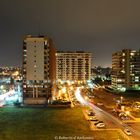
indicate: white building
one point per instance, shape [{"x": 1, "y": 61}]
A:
[{"x": 38, "y": 69}]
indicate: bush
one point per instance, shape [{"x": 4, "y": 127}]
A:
[{"x": 61, "y": 102}]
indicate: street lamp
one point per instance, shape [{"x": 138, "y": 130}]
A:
[
  {"x": 86, "y": 97},
  {"x": 1, "y": 87},
  {"x": 121, "y": 99}
]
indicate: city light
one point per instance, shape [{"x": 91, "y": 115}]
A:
[
  {"x": 127, "y": 112},
  {"x": 121, "y": 99},
  {"x": 64, "y": 90},
  {"x": 74, "y": 70},
  {"x": 86, "y": 98}
]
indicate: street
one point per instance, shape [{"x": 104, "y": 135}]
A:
[
  {"x": 111, "y": 121},
  {"x": 10, "y": 97}
]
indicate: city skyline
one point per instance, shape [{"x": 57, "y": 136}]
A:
[{"x": 99, "y": 27}]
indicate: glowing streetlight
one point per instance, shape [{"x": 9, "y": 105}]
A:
[
  {"x": 1, "y": 86},
  {"x": 69, "y": 83},
  {"x": 121, "y": 99},
  {"x": 71, "y": 88},
  {"x": 64, "y": 90},
  {"x": 127, "y": 112},
  {"x": 86, "y": 98}
]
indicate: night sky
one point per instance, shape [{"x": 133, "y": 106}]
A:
[{"x": 98, "y": 26}]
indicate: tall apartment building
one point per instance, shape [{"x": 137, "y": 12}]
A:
[
  {"x": 126, "y": 69},
  {"x": 73, "y": 66},
  {"x": 39, "y": 69}
]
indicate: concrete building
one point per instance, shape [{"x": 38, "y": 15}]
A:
[
  {"x": 39, "y": 69},
  {"x": 73, "y": 66},
  {"x": 126, "y": 69}
]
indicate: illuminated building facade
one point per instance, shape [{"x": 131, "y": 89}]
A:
[
  {"x": 73, "y": 66},
  {"x": 39, "y": 69},
  {"x": 126, "y": 69}
]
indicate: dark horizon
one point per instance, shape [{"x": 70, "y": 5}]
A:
[{"x": 100, "y": 27}]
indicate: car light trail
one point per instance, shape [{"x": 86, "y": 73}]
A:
[
  {"x": 3, "y": 96},
  {"x": 79, "y": 97}
]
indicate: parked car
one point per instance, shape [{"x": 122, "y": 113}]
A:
[
  {"x": 100, "y": 125},
  {"x": 92, "y": 118},
  {"x": 100, "y": 103},
  {"x": 90, "y": 97},
  {"x": 122, "y": 114},
  {"x": 90, "y": 113},
  {"x": 127, "y": 132},
  {"x": 125, "y": 118},
  {"x": 97, "y": 122}
]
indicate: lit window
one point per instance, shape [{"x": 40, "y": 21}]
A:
[
  {"x": 131, "y": 66},
  {"x": 136, "y": 79},
  {"x": 119, "y": 80},
  {"x": 132, "y": 54},
  {"x": 122, "y": 71},
  {"x": 45, "y": 42}
]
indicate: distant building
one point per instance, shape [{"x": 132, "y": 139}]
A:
[
  {"x": 73, "y": 66},
  {"x": 126, "y": 69},
  {"x": 101, "y": 72},
  {"x": 39, "y": 69}
]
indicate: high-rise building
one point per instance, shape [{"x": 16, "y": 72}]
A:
[
  {"x": 73, "y": 66},
  {"x": 39, "y": 69},
  {"x": 126, "y": 69}
]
